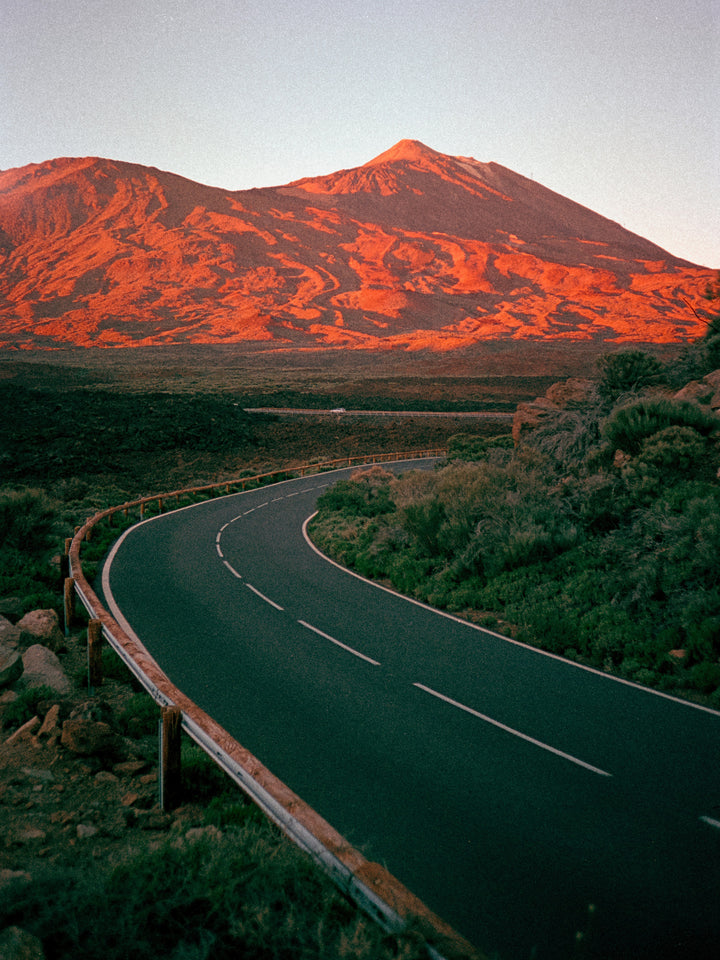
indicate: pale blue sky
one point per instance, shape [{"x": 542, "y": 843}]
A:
[{"x": 613, "y": 103}]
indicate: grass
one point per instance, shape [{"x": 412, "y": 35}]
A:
[{"x": 239, "y": 892}]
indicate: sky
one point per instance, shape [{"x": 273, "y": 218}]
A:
[{"x": 612, "y": 103}]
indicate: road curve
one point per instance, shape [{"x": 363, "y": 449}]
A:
[{"x": 523, "y": 798}]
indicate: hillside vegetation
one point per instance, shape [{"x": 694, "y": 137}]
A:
[{"x": 596, "y": 537}]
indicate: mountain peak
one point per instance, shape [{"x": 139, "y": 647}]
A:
[
  {"x": 416, "y": 249},
  {"x": 412, "y": 150}
]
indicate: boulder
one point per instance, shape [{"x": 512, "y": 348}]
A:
[
  {"x": 51, "y": 724},
  {"x": 89, "y": 737},
  {"x": 43, "y": 669},
  {"x": 568, "y": 394},
  {"x": 713, "y": 380},
  {"x": 530, "y": 415},
  {"x": 18, "y": 944},
  {"x": 41, "y": 626},
  {"x": 572, "y": 392},
  {"x": 11, "y": 666},
  {"x": 26, "y": 730},
  {"x": 9, "y": 633},
  {"x": 98, "y": 710},
  {"x": 697, "y": 391}
]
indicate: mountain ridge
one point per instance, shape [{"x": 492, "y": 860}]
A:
[{"x": 414, "y": 249}]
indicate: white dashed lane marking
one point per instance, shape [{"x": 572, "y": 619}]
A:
[{"x": 515, "y": 733}]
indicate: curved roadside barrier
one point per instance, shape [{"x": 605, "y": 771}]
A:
[{"x": 369, "y": 885}]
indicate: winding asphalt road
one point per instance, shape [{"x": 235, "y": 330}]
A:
[{"x": 522, "y": 797}]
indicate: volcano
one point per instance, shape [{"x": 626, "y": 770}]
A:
[{"x": 413, "y": 250}]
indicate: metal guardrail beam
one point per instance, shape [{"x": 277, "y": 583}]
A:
[{"x": 374, "y": 889}]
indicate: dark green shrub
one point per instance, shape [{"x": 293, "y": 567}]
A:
[
  {"x": 628, "y": 371},
  {"x": 140, "y": 716},
  {"x": 27, "y": 518},
  {"x": 115, "y": 668},
  {"x": 25, "y": 707},
  {"x": 629, "y": 426},
  {"x": 354, "y": 498},
  {"x": 202, "y": 778},
  {"x": 423, "y": 522},
  {"x": 705, "y": 677},
  {"x": 467, "y": 446},
  {"x": 673, "y": 450}
]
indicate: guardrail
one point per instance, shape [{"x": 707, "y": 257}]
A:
[{"x": 370, "y": 885}]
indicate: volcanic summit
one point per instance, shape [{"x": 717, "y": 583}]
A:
[{"x": 414, "y": 249}]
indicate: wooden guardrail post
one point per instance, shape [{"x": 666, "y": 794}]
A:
[
  {"x": 65, "y": 562},
  {"x": 69, "y": 603},
  {"x": 170, "y": 769},
  {"x": 94, "y": 654}
]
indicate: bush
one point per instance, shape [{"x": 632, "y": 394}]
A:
[
  {"x": 202, "y": 778},
  {"x": 628, "y": 371},
  {"x": 25, "y": 707},
  {"x": 630, "y": 425},
  {"x": 139, "y": 717},
  {"x": 27, "y": 519},
  {"x": 705, "y": 677},
  {"x": 244, "y": 893},
  {"x": 466, "y": 446},
  {"x": 356, "y": 498}
]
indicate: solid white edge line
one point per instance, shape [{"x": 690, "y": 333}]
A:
[
  {"x": 711, "y": 822},
  {"x": 219, "y": 550},
  {"x": 263, "y": 597},
  {"x": 515, "y": 733},
  {"x": 500, "y": 636},
  {"x": 232, "y": 570},
  {"x": 326, "y": 636}
]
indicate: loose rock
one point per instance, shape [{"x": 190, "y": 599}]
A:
[
  {"x": 104, "y": 776},
  {"x": 85, "y": 831},
  {"x": 51, "y": 723},
  {"x": 41, "y": 626},
  {"x": 30, "y": 835},
  {"x": 43, "y": 669},
  {"x": 129, "y": 768},
  {"x": 26, "y": 730},
  {"x": 35, "y": 773},
  {"x": 89, "y": 737}
]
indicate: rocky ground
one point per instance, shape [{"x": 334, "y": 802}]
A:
[{"x": 74, "y": 780}]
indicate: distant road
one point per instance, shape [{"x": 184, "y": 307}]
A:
[
  {"x": 507, "y": 788},
  {"x": 445, "y": 414}
]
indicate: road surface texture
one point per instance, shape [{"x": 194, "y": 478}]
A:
[{"x": 522, "y": 797}]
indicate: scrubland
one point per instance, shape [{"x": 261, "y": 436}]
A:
[{"x": 597, "y": 538}]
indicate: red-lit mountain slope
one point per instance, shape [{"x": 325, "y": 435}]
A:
[{"x": 414, "y": 249}]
